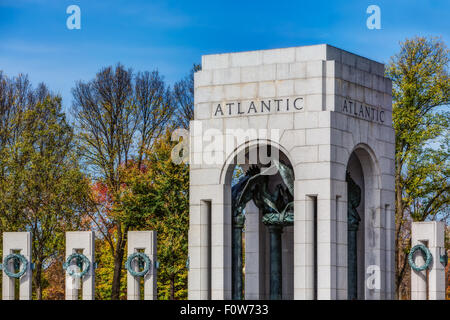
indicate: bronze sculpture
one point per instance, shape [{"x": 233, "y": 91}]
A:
[
  {"x": 353, "y": 220},
  {"x": 277, "y": 211}
]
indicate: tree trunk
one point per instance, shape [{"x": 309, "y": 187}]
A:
[
  {"x": 172, "y": 288},
  {"x": 397, "y": 277},
  {"x": 399, "y": 222},
  {"x": 118, "y": 259},
  {"x": 115, "y": 290},
  {"x": 38, "y": 280}
]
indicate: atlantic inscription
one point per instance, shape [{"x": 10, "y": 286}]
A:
[
  {"x": 363, "y": 111},
  {"x": 293, "y": 104},
  {"x": 258, "y": 107}
]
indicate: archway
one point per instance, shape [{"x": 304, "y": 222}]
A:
[
  {"x": 362, "y": 177},
  {"x": 262, "y": 214}
]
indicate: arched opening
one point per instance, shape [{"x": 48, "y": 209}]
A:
[
  {"x": 262, "y": 238},
  {"x": 362, "y": 194}
]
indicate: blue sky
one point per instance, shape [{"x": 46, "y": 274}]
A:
[{"x": 172, "y": 35}]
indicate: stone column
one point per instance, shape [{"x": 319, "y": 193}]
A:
[
  {"x": 252, "y": 253},
  {"x": 205, "y": 250},
  {"x": 303, "y": 245},
  {"x": 238, "y": 224},
  {"x": 341, "y": 241},
  {"x": 390, "y": 252},
  {"x": 287, "y": 245},
  {"x": 326, "y": 248},
  {"x": 275, "y": 262},
  {"x": 146, "y": 241},
  {"x": 431, "y": 234},
  {"x": 13, "y": 242},
  {"x": 81, "y": 242},
  {"x": 193, "y": 262},
  {"x": 221, "y": 242}
]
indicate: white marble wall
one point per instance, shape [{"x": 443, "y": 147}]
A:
[{"x": 318, "y": 141}]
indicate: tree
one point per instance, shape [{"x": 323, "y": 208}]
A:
[
  {"x": 153, "y": 103},
  {"x": 42, "y": 187},
  {"x": 183, "y": 93},
  {"x": 156, "y": 197},
  {"x": 447, "y": 268},
  {"x": 105, "y": 118},
  {"x": 105, "y": 271},
  {"x": 117, "y": 117},
  {"x": 54, "y": 288},
  {"x": 421, "y": 86},
  {"x": 16, "y": 98}
]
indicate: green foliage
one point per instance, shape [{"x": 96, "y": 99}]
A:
[
  {"x": 421, "y": 95},
  {"x": 54, "y": 279},
  {"x": 421, "y": 84},
  {"x": 42, "y": 187},
  {"x": 157, "y": 198},
  {"x": 104, "y": 272},
  {"x": 118, "y": 115}
]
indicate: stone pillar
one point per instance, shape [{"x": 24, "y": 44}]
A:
[
  {"x": 432, "y": 235},
  {"x": 287, "y": 245},
  {"x": 81, "y": 242},
  {"x": 12, "y": 243},
  {"x": 275, "y": 262},
  {"x": 146, "y": 241},
  {"x": 252, "y": 253},
  {"x": 221, "y": 232},
  {"x": 193, "y": 262},
  {"x": 237, "y": 275},
  {"x": 205, "y": 250},
  {"x": 341, "y": 240},
  {"x": 326, "y": 248},
  {"x": 304, "y": 245},
  {"x": 390, "y": 252}
]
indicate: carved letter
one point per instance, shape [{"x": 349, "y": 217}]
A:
[
  {"x": 295, "y": 104},
  {"x": 219, "y": 108},
  {"x": 264, "y": 105},
  {"x": 252, "y": 107}
]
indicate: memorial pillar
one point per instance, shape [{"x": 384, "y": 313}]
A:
[
  {"x": 142, "y": 241},
  {"x": 431, "y": 234},
  {"x": 82, "y": 242},
  {"x": 17, "y": 242}
]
